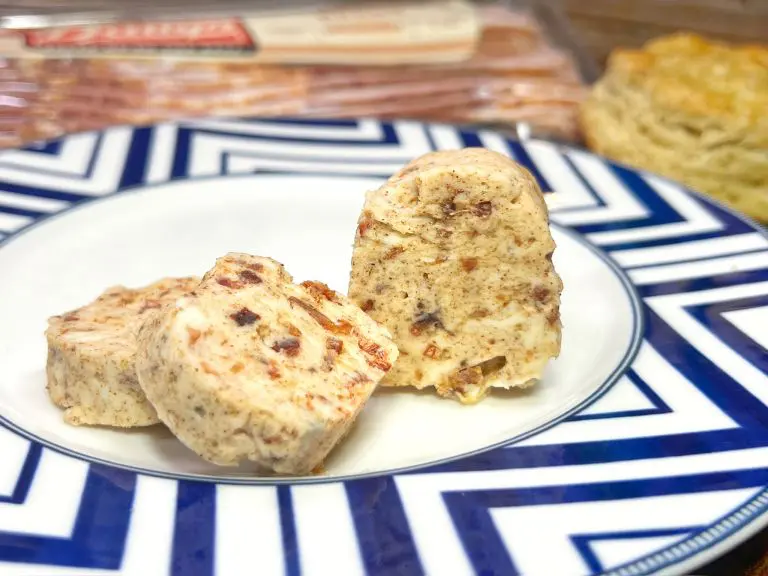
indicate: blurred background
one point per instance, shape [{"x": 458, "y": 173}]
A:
[{"x": 679, "y": 87}]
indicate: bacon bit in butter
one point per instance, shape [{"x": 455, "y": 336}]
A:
[
  {"x": 483, "y": 209},
  {"x": 237, "y": 367},
  {"x": 365, "y": 224},
  {"x": 424, "y": 321},
  {"x": 492, "y": 365},
  {"x": 291, "y": 346},
  {"x": 255, "y": 266},
  {"x": 432, "y": 352},
  {"x": 471, "y": 376},
  {"x": 393, "y": 252},
  {"x": 553, "y": 317},
  {"x": 469, "y": 264},
  {"x": 540, "y": 294},
  {"x": 367, "y": 305},
  {"x": 293, "y": 331},
  {"x": 194, "y": 335},
  {"x": 333, "y": 347},
  {"x": 320, "y": 291},
  {"x": 377, "y": 356},
  {"x": 249, "y": 277},
  {"x": 229, "y": 283},
  {"x": 334, "y": 344},
  {"x": 245, "y": 317},
  {"x": 340, "y": 327},
  {"x": 359, "y": 378},
  {"x": 449, "y": 208}
]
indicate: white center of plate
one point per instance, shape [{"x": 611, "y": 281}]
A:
[{"x": 307, "y": 223}]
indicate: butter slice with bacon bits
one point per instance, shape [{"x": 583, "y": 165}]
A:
[{"x": 253, "y": 367}]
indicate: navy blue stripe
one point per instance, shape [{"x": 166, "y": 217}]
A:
[
  {"x": 583, "y": 542},
  {"x": 318, "y": 158},
  {"x": 52, "y": 147},
  {"x": 340, "y": 123},
  {"x": 605, "y": 491},
  {"x": 712, "y": 316},
  {"x": 586, "y": 183},
  {"x": 22, "y": 212},
  {"x": 478, "y": 535},
  {"x": 428, "y": 136},
  {"x": 194, "y": 537},
  {"x": 659, "y": 406},
  {"x": 717, "y": 309},
  {"x": 389, "y": 133},
  {"x": 618, "y": 414},
  {"x": 97, "y": 150},
  {"x": 523, "y": 158},
  {"x": 587, "y": 554},
  {"x": 181, "y": 156},
  {"x": 386, "y": 543},
  {"x": 58, "y": 173},
  {"x": 388, "y": 137},
  {"x": 105, "y": 511},
  {"x": 677, "y": 239},
  {"x": 690, "y": 260},
  {"x": 648, "y": 392},
  {"x": 288, "y": 528},
  {"x": 43, "y": 193},
  {"x": 470, "y": 139},
  {"x": 698, "y": 284},
  {"x": 708, "y": 377},
  {"x": 659, "y": 211},
  {"x": 100, "y": 532},
  {"x": 487, "y": 552},
  {"x": 26, "y": 475},
  {"x": 136, "y": 161},
  {"x": 732, "y": 226},
  {"x": 601, "y": 451}
]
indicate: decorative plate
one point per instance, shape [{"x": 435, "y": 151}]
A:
[{"x": 643, "y": 450}]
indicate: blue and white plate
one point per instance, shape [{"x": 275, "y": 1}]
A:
[{"x": 643, "y": 450}]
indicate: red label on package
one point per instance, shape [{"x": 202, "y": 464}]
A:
[
  {"x": 427, "y": 31},
  {"x": 229, "y": 34}
]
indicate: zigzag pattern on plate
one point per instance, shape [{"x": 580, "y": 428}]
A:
[{"x": 670, "y": 461}]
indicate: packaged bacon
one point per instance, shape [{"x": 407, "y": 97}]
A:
[{"x": 492, "y": 62}]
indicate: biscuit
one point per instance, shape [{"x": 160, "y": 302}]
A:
[{"x": 689, "y": 109}]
